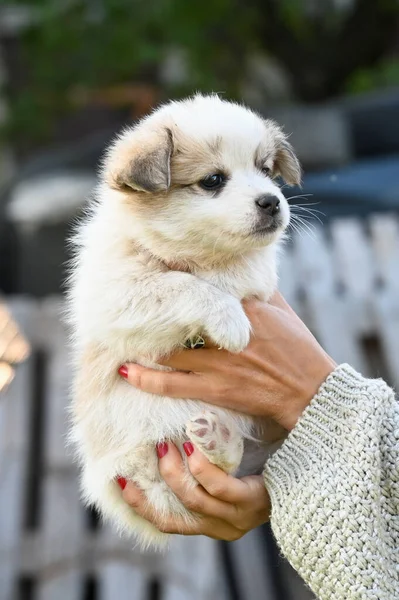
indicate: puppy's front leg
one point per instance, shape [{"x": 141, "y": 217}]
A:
[{"x": 171, "y": 307}]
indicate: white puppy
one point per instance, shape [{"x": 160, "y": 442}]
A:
[{"x": 185, "y": 225}]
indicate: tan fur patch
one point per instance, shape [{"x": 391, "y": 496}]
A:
[
  {"x": 141, "y": 161},
  {"x": 287, "y": 164},
  {"x": 93, "y": 363},
  {"x": 193, "y": 160}
]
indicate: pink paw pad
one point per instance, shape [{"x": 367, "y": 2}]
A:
[
  {"x": 220, "y": 443},
  {"x": 210, "y": 431},
  {"x": 210, "y": 445}
]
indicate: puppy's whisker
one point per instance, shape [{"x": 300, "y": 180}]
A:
[
  {"x": 305, "y": 226},
  {"x": 305, "y": 211},
  {"x": 303, "y": 218},
  {"x": 300, "y": 225},
  {"x": 305, "y": 207},
  {"x": 312, "y": 211},
  {"x": 308, "y": 226},
  {"x": 308, "y": 204},
  {"x": 297, "y": 229},
  {"x": 298, "y": 196},
  {"x": 309, "y": 214}
]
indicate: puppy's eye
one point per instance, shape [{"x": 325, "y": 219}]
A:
[
  {"x": 266, "y": 170},
  {"x": 211, "y": 182}
]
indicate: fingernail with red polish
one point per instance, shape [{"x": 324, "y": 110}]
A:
[
  {"x": 123, "y": 371},
  {"x": 188, "y": 448},
  {"x": 121, "y": 482},
  {"x": 162, "y": 449}
]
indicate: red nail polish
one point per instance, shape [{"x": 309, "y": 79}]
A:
[
  {"x": 123, "y": 371},
  {"x": 188, "y": 448},
  {"x": 162, "y": 449},
  {"x": 121, "y": 482}
]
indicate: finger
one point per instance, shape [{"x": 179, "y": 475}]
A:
[
  {"x": 259, "y": 313},
  {"x": 279, "y": 301},
  {"x": 168, "y": 383},
  {"x": 136, "y": 499},
  {"x": 162, "y": 383},
  {"x": 216, "y": 529},
  {"x": 194, "y": 497},
  {"x": 216, "y": 482},
  {"x": 16, "y": 351},
  {"x": 6, "y": 375},
  {"x": 196, "y": 361}
]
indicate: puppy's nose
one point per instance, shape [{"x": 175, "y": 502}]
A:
[{"x": 268, "y": 203}]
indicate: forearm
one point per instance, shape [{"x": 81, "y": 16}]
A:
[{"x": 334, "y": 487}]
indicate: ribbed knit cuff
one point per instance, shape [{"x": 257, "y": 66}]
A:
[{"x": 320, "y": 432}]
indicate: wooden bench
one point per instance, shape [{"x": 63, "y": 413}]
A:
[{"x": 343, "y": 280}]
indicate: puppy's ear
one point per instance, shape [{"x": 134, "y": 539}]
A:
[
  {"x": 140, "y": 160},
  {"x": 287, "y": 164}
]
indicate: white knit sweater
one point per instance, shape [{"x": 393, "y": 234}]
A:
[{"x": 334, "y": 487}]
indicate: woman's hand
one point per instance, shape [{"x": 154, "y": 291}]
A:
[
  {"x": 226, "y": 507},
  {"x": 276, "y": 376}
]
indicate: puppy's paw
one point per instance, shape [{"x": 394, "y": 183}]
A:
[
  {"x": 220, "y": 443},
  {"x": 229, "y": 326}
]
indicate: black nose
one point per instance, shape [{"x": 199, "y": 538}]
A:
[{"x": 268, "y": 203}]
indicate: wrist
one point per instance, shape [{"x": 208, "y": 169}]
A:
[{"x": 294, "y": 407}]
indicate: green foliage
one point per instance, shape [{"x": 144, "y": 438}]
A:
[
  {"x": 76, "y": 46},
  {"x": 384, "y": 75},
  {"x": 89, "y": 44}
]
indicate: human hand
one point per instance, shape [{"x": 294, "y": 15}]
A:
[
  {"x": 275, "y": 376},
  {"x": 226, "y": 508},
  {"x": 13, "y": 347}
]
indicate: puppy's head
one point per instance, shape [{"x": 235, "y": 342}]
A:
[{"x": 197, "y": 179}]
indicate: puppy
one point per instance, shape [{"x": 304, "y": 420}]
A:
[{"x": 185, "y": 224}]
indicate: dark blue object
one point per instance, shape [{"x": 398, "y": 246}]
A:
[{"x": 361, "y": 188}]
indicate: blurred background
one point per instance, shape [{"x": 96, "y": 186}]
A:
[{"x": 72, "y": 72}]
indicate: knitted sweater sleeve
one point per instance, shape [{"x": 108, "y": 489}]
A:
[{"x": 334, "y": 488}]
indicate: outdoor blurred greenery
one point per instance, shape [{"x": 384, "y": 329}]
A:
[{"x": 70, "y": 48}]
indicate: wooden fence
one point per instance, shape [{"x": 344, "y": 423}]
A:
[{"x": 343, "y": 280}]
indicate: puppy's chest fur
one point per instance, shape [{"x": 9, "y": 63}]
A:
[
  {"x": 249, "y": 277},
  {"x": 254, "y": 278}
]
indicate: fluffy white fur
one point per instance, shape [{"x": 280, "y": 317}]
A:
[{"x": 160, "y": 260}]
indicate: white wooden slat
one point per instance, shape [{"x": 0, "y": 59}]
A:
[
  {"x": 126, "y": 576},
  {"x": 251, "y": 569},
  {"x": 329, "y": 317},
  {"x": 354, "y": 255},
  {"x": 15, "y": 413},
  {"x": 355, "y": 267},
  {"x": 123, "y": 581},
  {"x": 386, "y": 306},
  {"x": 313, "y": 263},
  {"x": 289, "y": 284},
  {"x": 385, "y": 240},
  {"x": 62, "y": 522},
  {"x": 193, "y": 569}
]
